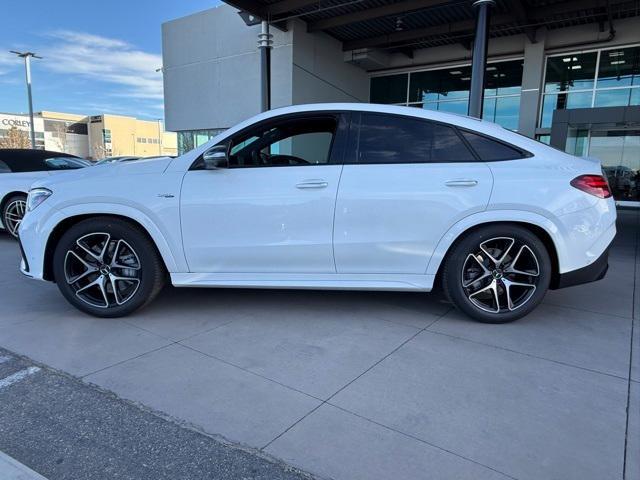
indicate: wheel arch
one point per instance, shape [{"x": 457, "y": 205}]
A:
[
  {"x": 3, "y": 203},
  {"x": 542, "y": 233},
  {"x": 67, "y": 223},
  {"x": 8, "y": 195}
]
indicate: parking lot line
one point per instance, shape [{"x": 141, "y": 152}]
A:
[{"x": 16, "y": 377}]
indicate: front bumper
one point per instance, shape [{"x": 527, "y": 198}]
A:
[
  {"x": 24, "y": 263},
  {"x": 591, "y": 273}
]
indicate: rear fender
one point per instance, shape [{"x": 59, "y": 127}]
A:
[{"x": 493, "y": 216}]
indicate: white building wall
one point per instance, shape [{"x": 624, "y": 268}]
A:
[
  {"x": 320, "y": 73},
  {"x": 212, "y": 70}
]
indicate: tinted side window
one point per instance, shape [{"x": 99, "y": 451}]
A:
[
  {"x": 395, "y": 139},
  {"x": 295, "y": 142},
  {"x": 4, "y": 168},
  {"x": 63, "y": 163},
  {"x": 491, "y": 150},
  {"x": 25, "y": 164}
]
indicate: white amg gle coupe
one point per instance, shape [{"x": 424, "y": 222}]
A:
[{"x": 329, "y": 196}]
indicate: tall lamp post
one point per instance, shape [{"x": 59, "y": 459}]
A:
[
  {"x": 265, "y": 44},
  {"x": 27, "y": 66}
]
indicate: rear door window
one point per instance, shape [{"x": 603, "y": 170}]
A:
[
  {"x": 25, "y": 163},
  {"x": 391, "y": 139},
  {"x": 4, "y": 168}
]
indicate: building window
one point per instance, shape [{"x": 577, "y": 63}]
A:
[
  {"x": 106, "y": 135},
  {"x": 190, "y": 139},
  {"x": 389, "y": 89},
  {"x": 447, "y": 90},
  {"x": 604, "y": 78}
]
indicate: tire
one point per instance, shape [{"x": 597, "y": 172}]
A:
[
  {"x": 497, "y": 292},
  {"x": 13, "y": 211},
  {"x": 107, "y": 267}
]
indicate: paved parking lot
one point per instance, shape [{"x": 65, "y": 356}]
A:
[{"x": 369, "y": 385}]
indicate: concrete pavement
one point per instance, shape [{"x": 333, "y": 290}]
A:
[{"x": 366, "y": 385}]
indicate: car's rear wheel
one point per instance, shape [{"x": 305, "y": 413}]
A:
[
  {"x": 497, "y": 273},
  {"x": 107, "y": 267},
  {"x": 12, "y": 213}
]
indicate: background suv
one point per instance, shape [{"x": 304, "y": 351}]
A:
[{"x": 19, "y": 168}]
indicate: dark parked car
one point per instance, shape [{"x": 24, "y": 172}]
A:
[{"x": 19, "y": 168}]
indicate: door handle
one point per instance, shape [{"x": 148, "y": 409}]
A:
[
  {"x": 312, "y": 184},
  {"x": 461, "y": 183}
]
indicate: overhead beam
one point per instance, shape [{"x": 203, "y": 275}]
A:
[
  {"x": 456, "y": 28},
  {"x": 286, "y": 6},
  {"x": 249, "y": 6},
  {"x": 418, "y": 33},
  {"x": 572, "y": 7},
  {"x": 371, "y": 13},
  {"x": 519, "y": 10},
  {"x": 522, "y": 16}
]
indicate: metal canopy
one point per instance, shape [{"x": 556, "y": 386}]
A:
[{"x": 406, "y": 25}]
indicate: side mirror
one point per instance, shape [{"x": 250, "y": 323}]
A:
[{"x": 215, "y": 158}]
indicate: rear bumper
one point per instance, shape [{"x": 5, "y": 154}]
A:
[{"x": 591, "y": 273}]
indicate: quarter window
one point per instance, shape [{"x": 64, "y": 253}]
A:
[
  {"x": 4, "y": 168},
  {"x": 289, "y": 143},
  {"x": 395, "y": 139},
  {"x": 491, "y": 150}
]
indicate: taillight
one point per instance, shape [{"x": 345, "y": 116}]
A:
[{"x": 596, "y": 185}]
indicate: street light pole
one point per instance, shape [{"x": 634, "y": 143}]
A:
[
  {"x": 27, "y": 66},
  {"x": 265, "y": 44}
]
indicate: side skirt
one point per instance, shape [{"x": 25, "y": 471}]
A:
[{"x": 320, "y": 281}]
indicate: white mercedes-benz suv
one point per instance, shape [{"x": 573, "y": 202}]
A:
[{"x": 329, "y": 196}]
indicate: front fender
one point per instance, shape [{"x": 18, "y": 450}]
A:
[
  {"x": 36, "y": 230},
  {"x": 169, "y": 248},
  {"x": 554, "y": 229}
]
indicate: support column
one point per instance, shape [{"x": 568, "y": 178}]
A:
[
  {"x": 532, "y": 73},
  {"x": 479, "y": 62},
  {"x": 265, "y": 44}
]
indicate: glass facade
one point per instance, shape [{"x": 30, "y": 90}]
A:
[
  {"x": 619, "y": 152},
  {"x": 190, "y": 139},
  {"x": 604, "y": 78},
  {"x": 447, "y": 90}
]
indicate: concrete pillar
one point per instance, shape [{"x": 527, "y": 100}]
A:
[{"x": 532, "y": 84}]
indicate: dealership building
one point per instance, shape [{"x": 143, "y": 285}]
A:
[
  {"x": 93, "y": 136},
  {"x": 564, "y": 72}
]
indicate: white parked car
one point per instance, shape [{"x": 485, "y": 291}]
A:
[
  {"x": 329, "y": 196},
  {"x": 19, "y": 168}
]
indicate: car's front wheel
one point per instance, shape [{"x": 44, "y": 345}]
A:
[
  {"x": 107, "y": 267},
  {"x": 497, "y": 273},
  {"x": 12, "y": 213}
]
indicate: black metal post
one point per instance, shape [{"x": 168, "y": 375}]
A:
[
  {"x": 479, "y": 62},
  {"x": 265, "y": 45}
]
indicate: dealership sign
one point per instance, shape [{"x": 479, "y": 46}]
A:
[{"x": 18, "y": 121}]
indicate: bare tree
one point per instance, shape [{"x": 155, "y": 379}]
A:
[
  {"x": 99, "y": 151},
  {"x": 15, "y": 138},
  {"x": 60, "y": 136}
]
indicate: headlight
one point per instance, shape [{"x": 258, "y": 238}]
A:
[{"x": 36, "y": 197}]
